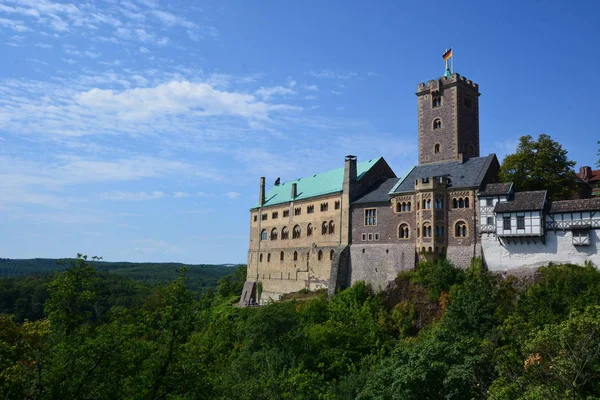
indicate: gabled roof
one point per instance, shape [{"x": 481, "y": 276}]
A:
[
  {"x": 575, "y": 205},
  {"x": 467, "y": 174},
  {"x": 523, "y": 201},
  {"x": 315, "y": 185},
  {"x": 379, "y": 193},
  {"x": 496, "y": 189}
]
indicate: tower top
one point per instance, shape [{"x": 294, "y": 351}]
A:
[{"x": 446, "y": 56}]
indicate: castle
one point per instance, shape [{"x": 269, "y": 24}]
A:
[{"x": 362, "y": 223}]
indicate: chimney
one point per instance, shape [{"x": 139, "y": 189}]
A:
[
  {"x": 350, "y": 169},
  {"x": 461, "y": 158},
  {"x": 585, "y": 173},
  {"x": 294, "y": 190},
  {"x": 261, "y": 196}
]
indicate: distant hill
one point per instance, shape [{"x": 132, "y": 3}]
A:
[{"x": 199, "y": 276}]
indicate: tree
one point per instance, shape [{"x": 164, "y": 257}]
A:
[{"x": 540, "y": 165}]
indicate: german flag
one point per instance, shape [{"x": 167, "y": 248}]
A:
[{"x": 447, "y": 55}]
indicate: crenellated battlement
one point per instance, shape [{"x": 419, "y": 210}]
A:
[{"x": 434, "y": 84}]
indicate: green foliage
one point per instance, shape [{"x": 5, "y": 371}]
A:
[
  {"x": 437, "y": 276},
  {"x": 540, "y": 165},
  {"x": 105, "y": 337}
]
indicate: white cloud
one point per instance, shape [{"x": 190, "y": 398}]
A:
[
  {"x": 179, "y": 195},
  {"x": 132, "y": 196},
  {"x": 267, "y": 93},
  {"x": 144, "y": 50},
  {"x": 233, "y": 195},
  {"x": 326, "y": 73},
  {"x": 336, "y": 92},
  {"x": 313, "y": 88},
  {"x": 17, "y": 26}
]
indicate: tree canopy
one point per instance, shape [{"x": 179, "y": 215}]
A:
[{"x": 540, "y": 165}]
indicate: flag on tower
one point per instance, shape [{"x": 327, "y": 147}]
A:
[{"x": 447, "y": 55}]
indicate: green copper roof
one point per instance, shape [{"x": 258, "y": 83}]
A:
[{"x": 314, "y": 185}]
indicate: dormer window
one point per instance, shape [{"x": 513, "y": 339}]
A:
[{"x": 437, "y": 124}]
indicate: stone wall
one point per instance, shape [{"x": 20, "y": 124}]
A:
[
  {"x": 379, "y": 264},
  {"x": 557, "y": 249}
]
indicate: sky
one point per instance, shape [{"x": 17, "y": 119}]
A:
[{"x": 138, "y": 130}]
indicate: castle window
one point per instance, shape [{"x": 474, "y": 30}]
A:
[
  {"x": 461, "y": 203},
  {"x": 337, "y": 205},
  {"x": 371, "y": 217},
  {"x": 297, "y": 211},
  {"x": 506, "y": 223},
  {"x": 324, "y": 206},
  {"x": 399, "y": 207},
  {"x": 255, "y": 217},
  {"x": 263, "y": 234},
  {"x": 454, "y": 203},
  {"x": 269, "y": 257},
  {"x": 521, "y": 222},
  {"x": 426, "y": 230},
  {"x": 324, "y": 228},
  {"x": 376, "y": 237},
  {"x": 320, "y": 255},
  {"x": 274, "y": 234},
  {"x": 408, "y": 206},
  {"x": 437, "y": 124},
  {"x": 403, "y": 231},
  {"x": 331, "y": 227},
  {"x": 286, "y": 213},
  {"x": 331, "y": 253},
  {"x": 370, "y": 237},
  {"x": 281, "y": 256},
  {"x": 468, "y": 102},
  {"x": 427, "y": 204},
  {"x": 260, "y": 260},
  {"x": 363, "y": 237},
  {"x": 310, "y": 209},
  {"x": 436, "y": 101},
  {"x": 466, "y": 202},
  {"x": 309, "y": 230},
  {"x": 274, "y": 215},
  {"x": 295, "y": 256},
  {"x": 460, "y": 229},
  {"x": 436, "y": 148},
  {"x": 285, "y": 233},
  {"x": 439, "y": 204},
  {"x": 263, "y": 217},
  {"x": 296, "y": 232},
  {"x": 439, "y": 231}
]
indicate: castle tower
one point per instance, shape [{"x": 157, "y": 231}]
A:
[{"x": 448, "y": 119}]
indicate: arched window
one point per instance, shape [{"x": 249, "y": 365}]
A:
[
  {"x": 466, "y": 202},
  {"x": 454, "y": 203},
  {"x": 437, "y": 123},
  {"x": 400, "y": 207},
  {"x": 274, "y": 234},
  {"x": 309, "y": 230},
  {"x": 403, "y": 231},
  {"x": 260, "y": 258},
  {"x": 296, "y": 232},
  {"x": 408, "y": 206},
  {"x": 436, "y": 101},
  {"x": 439, "y": 231},
  {"x": 426, "y": 230},
  {"x": 263, "y": 235},
  {"x": 430, "y": 249},
  {"x": 436, "y": 148},
  {"x": 324, "y": 228},
  {"x": 295, "y": 256},
  {"x": 331, "y": 253},
  {"x": 461, "y": 203},
  {"x": 460, "y": 229},
  {"x": 281, "y": 255},
  {"x": 269, "y": 257},
  {"x": 320, "y": 255},
  {"x": 331, "y": 227},
  {"x": 285, "y": 233}
]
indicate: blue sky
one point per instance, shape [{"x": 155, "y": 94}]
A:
[{"x": 137, "y": 130}]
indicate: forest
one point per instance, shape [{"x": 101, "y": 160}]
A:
[{"x": 438, "y": 333}]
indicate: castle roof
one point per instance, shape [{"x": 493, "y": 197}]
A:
[
  {"x": 379, "y": 193},
  {"x": 467, "y": 174},
  {"x": 523, "y": 201},
  {"x": 496, "y": 189},
  {"x": 314, "y": 185},
  {"x": 576, "y": 205}
]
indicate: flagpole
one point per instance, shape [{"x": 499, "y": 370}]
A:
[{"x": 452, "y": 47}]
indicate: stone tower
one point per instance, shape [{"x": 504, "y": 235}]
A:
[{"x": 448, "y": 119}]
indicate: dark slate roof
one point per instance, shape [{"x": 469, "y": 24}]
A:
[
  {"x": 496, "y": 189},
  {"x": 379, "y": 193},
  {"x": 575, "y": 205},
  {"x": 523, "y": 201},
  {"x": 463, "y": 175}
]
